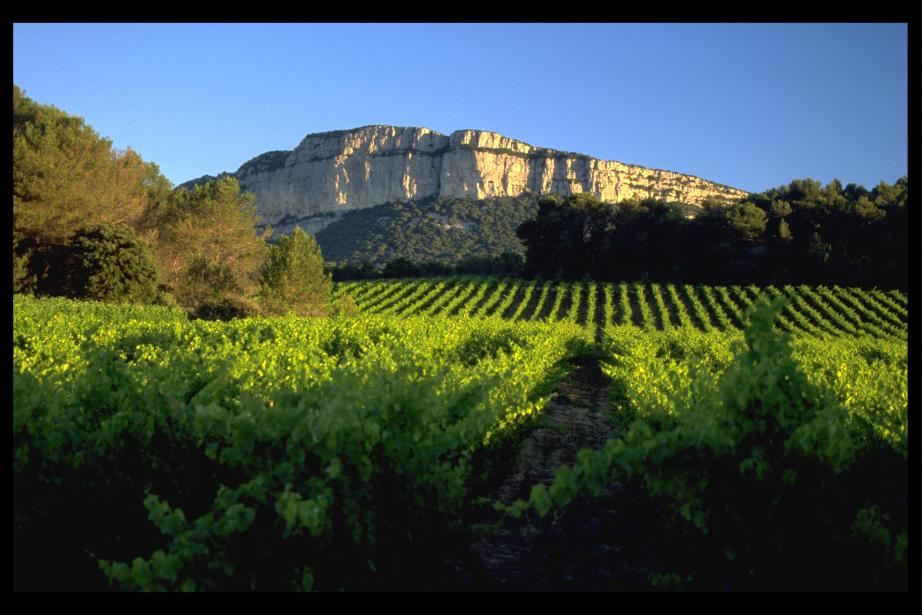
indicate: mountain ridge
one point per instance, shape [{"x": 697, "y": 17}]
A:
[{"x": 342, "y": 170}]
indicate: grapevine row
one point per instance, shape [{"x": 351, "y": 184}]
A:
[{"x": 818, "y": 311}]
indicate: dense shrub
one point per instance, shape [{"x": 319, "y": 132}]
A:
[
  {"x": 344, "y": 306},
  {"x": 110, "y": 263},
  {"x": 225, "y": 308}
]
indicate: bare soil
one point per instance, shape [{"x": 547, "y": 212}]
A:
[{"x": 602, "y": 544}]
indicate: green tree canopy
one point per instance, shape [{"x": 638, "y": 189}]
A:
[
  {"x": 747, "y": 220},
  {"x": 802, "y": 232},
  {"x": 205, "y": 280},
  {"x": 214, "y": 222},
  {"x": 66, "y": 176},
  {"x": 293, "y": 278},
  {"x": 110, "y": 263}
]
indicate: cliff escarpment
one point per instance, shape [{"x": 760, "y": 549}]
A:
[{"x": 333, "y": 172}]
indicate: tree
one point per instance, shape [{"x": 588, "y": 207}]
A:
[
  {"x": 293, "y": 278},
  {"x": 565, "y": 236},
  {"x": 24, "y": 279},
  {"x": 645, "y": 239},
  {"x": 784, "y": 231},
  {"x": 110, "y": 263},
  {"x": 866, "y": 211},
  {"x": 507, "y": 263},
  {"x": 66, "y": 176},
  {"x": 206, "y": 280},
  {"x": 214, "y": 222},
  {"x": 747, "y": 220},
  {"x": 780, "y": 208}
]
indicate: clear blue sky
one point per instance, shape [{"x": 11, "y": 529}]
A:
[{"x": 749, "y": 105}]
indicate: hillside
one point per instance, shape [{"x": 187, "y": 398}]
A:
[{"x": 432, "y": 229}]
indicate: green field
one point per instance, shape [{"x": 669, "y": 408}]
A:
[{"x": 154, "y": 452}]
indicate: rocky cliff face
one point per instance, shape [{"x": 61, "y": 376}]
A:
[{"x": 332, "y": 172}]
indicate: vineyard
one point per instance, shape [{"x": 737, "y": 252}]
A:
[
  {"x": 818, "y": 311},
  {"x": 270, "y": 453},
  {"x": 154, "y": 452}
]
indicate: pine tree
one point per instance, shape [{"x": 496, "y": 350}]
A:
[
  {"x": 213, "y": 223},
  {"x": 294, "y": 279}
]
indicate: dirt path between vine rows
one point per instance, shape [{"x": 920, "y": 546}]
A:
[{"x": 602, "y": 544}]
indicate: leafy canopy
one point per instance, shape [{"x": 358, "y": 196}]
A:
[
  {"x": 293, "y": 278},
  {"x": 110, "y": 263},
  {"x": 65, "y": 175},
  {"x": 212, "y": 225}
]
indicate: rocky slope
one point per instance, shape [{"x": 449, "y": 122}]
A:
[{"x": 332, "y": 172}]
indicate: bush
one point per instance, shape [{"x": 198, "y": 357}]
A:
[
  {"x": 110, "y": 263},
  {"x": 23, "y": 279},
  {"x": 166, "y": 300},
  {"x": 401, "y": 268},
  {"x": 226, "y": 308},
  {"x": 344, "y": 306}
]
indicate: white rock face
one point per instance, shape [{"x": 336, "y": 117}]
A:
[{"x": 354, "y": 169}]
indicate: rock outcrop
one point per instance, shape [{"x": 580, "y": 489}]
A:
[{"x": 332, "y": 172}]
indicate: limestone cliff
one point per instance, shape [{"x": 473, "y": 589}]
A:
[{"x": 332, "y": 172}]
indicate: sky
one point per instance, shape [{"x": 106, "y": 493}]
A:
[{"x": 752, "y": 106}]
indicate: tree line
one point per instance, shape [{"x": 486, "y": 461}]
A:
[
  {"x": 801, "y": 233},
  {"x": 95, "y": 223}
]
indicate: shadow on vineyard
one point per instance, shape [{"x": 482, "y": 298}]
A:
[
  {"x": 600, "y": 544},
  {"x": 755, "y": 476}
]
